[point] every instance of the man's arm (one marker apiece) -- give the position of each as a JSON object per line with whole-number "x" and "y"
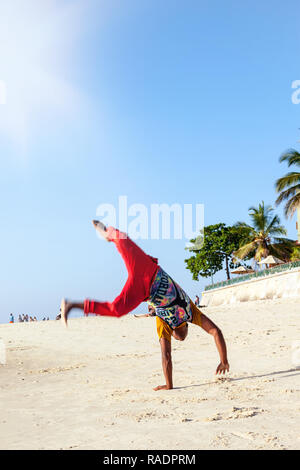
{"x": 213, "y": 330}
{"x": 166, "y": 364}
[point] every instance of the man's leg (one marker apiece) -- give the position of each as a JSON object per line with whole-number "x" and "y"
{"x": 128, "y": 300}
{"x": 141, "y": 271}
{"x": 137, "y": 262}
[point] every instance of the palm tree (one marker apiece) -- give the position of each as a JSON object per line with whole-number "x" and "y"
{"x": 289, "y": 186}
{"x": 265, "y": 236}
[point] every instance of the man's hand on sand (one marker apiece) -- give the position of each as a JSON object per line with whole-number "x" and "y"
{"x": 222, "y": 368}
{"x": 162, "y": 387}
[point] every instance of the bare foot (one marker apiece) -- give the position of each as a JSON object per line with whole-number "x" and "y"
{"x": 100, "y": 227}
{"x": 65, "y": 308}
{"x": 162, "y": 387}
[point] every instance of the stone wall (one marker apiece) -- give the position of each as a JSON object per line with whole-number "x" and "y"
{"x": 273, "y": 286}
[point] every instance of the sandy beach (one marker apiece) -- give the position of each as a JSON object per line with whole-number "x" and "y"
{"x": 91, "y": 386}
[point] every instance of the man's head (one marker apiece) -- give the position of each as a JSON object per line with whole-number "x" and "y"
{"x": 181, "y": 332}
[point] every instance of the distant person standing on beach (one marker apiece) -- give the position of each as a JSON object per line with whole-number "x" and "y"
{"x": 11, "y": 318}
{"x": 197, "y": 301}
{"x": 20, "y": 320}
{"x": 148, "y": 282}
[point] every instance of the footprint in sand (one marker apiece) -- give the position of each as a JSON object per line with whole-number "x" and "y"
{"x": 144, "y": 416}
{"x": 270, "y": 440}
{"x": 236, "y": 413}
{"x": 54, "y": 370}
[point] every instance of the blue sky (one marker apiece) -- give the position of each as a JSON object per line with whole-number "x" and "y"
{"x": 164, "y": 102}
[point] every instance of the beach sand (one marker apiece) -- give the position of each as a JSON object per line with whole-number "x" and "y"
{"x": 90, "y": 386}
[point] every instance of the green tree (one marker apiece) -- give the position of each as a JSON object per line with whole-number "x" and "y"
{"x": 295, "y": 254}
{"x": 219, "y": 242}
{"x": 265, "y": 236}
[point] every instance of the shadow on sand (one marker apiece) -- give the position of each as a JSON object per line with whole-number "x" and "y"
{"x": 248, "y": 377}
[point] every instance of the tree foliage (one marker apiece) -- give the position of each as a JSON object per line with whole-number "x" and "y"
{"x": 288, "y": 186}
{"x": 265, "y": 236}
{"x": 219, "y": 242}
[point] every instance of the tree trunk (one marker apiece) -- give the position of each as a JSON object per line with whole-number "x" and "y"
{"x": 227, "y": 267}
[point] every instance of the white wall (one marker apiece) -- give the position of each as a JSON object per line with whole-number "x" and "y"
{"x": 274, "y": 286}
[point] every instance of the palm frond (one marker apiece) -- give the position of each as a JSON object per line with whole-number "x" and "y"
{"x": 284, "y": 243}
{"x": 250, "y": 233}
{"x": 244, "y": 250}
{"x": 261, "y": 216}
{"x": 291, "y": 156}
{"x": 291, "y": 178}
{"x": 261, "y": 252}
{"x": 287, "y": 194}
{"x": 276, "y": 230}
{"x": 272, "y": 223}
{"x": 292, "y": 205}
{"x": 280, "y": 252}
